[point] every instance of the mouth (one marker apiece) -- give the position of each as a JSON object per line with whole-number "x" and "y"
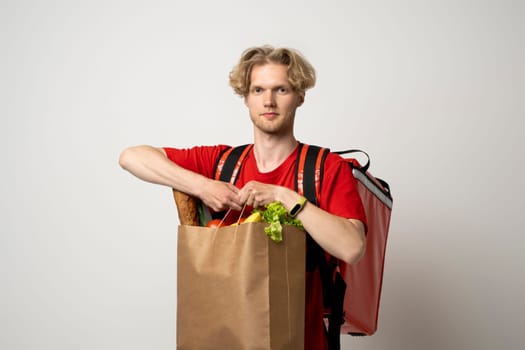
{"x": 270, "y": 114}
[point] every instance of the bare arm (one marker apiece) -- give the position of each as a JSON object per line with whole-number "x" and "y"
{"x": 340, "y": 237}
{"x": 152, "y": 165}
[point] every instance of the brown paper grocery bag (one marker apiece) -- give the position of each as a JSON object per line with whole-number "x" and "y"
{"x": 237, "y": 289}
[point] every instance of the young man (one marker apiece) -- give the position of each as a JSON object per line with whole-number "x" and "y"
{"x": 273, "y": 83}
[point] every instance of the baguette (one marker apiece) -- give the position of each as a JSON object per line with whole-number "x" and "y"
{"x": 186, "y": 208}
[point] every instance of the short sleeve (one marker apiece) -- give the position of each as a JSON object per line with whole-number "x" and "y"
{"x": 339, "y": 194}
{"x": 199, "y": 159}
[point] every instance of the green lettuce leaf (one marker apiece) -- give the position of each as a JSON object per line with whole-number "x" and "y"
{"x": 276, "y": 215}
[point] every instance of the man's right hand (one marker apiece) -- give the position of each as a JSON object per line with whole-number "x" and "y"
{"x": 219, "y": 196}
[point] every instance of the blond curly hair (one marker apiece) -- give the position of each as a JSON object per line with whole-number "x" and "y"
{"x": 301, "y": 73}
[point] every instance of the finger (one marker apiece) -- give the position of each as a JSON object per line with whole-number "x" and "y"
{"x": 233, "y": 188}
{"x": 245, "y": 196}
{"x": 236, "y": 204}
{"x": 254, "y": 198}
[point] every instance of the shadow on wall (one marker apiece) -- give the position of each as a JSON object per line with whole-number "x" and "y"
{"x": 425, "y": 303}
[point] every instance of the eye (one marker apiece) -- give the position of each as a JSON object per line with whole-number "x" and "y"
{"x": 282, "y": 90}
{"x": 256, "y": 90}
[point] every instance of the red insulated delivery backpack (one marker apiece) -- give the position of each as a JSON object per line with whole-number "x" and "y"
{"x": 351, "y": 293}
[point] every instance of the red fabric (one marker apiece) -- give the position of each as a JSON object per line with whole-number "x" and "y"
{"x": 339, "y": 196}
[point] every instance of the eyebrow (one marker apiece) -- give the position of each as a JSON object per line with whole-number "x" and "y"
{"x": 282, "y": 86}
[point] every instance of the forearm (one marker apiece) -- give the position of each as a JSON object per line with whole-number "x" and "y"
{"x": 342, "y": 238}
{"x": 151, "y": 164}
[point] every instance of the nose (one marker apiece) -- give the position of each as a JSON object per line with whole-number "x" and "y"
{"x": 269, "y": 99}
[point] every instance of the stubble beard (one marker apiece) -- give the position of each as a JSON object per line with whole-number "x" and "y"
{"x": 278, "y": 126}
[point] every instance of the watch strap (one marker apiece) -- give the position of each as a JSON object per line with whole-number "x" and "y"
{"x": 298, "y": 206}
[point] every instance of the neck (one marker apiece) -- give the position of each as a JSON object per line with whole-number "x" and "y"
{"x": 270, "y": 151}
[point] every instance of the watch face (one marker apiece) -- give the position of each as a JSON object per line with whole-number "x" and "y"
{"x": 295, "y": 209}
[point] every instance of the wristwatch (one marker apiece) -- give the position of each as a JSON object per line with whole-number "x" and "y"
{"x": 298, "y": 207}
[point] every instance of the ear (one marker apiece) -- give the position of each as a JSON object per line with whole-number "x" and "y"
{"x": 300, "y": 99}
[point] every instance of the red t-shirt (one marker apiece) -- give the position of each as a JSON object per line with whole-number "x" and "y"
{"x": 338, "y": 196}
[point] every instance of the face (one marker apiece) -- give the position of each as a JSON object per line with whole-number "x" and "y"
{"x": 271, "y": 99}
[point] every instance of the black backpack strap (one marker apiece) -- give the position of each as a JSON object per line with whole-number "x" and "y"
{"x": 308, "y": 178}
{"x": 229, "y": 163}
{"x": 379, "y": 187}
{"x": 310, "y": 169}
{"x": 227, "y": 166}
{"x": 336, "y": 318}
{"x": 365, "y": 167}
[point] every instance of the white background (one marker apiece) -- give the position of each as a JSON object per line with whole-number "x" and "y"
{"x": 433, "y": 90}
